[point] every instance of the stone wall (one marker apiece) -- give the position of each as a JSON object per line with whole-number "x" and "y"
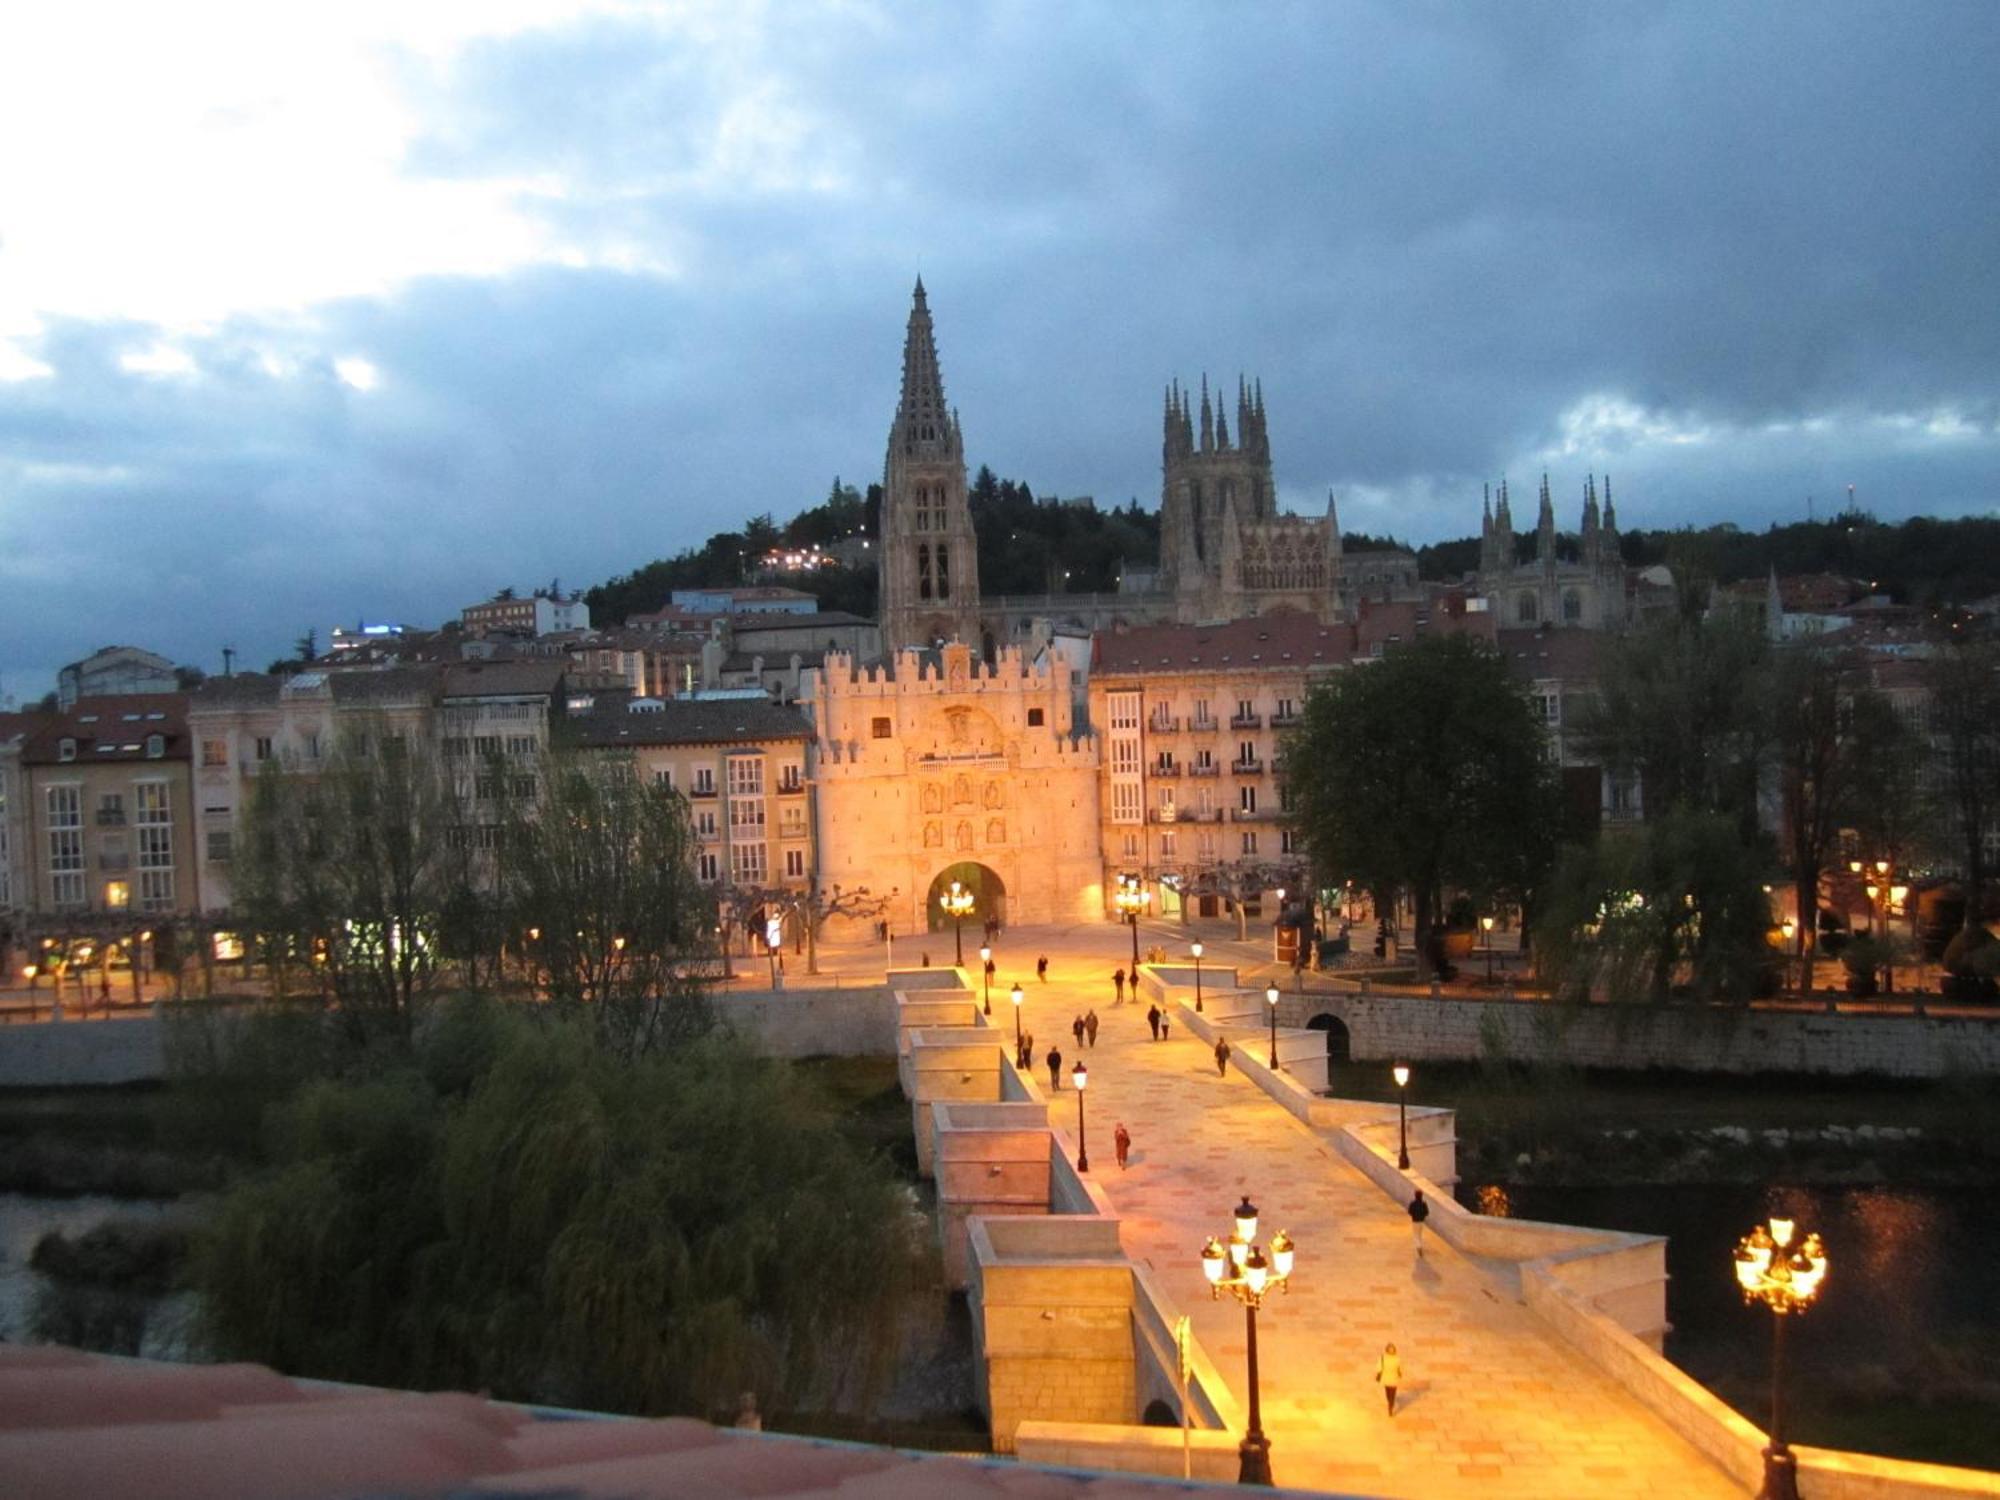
{"x": 812, "y": 1022}
{"x": 69, "y": 1054}
{"x": 1705, "y": 1039}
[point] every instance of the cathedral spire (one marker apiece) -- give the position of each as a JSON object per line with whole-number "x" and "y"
{"x": 922, "y": 417}
{"x": 1610, "y": 515}
{"x": 1207, "y": 418}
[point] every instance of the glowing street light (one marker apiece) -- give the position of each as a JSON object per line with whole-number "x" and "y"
{"x": 1271, "y": 1004}
{"x": 1130, "y": 901}
{"x": 1769, "y": 1270}
{"x": 986, "y": 964}
{"x": 1018, "y": 997}
{"x": 1242, "y": 1269}
{"x": 1486, "y": 937}
{"x": 956, "y": 903}
{"x": 1197, "y": 976}
{"x": 1401, "y": 1073}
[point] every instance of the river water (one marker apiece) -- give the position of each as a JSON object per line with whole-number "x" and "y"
{"x": 24, "y": 1219}
{"x": 1900, "y": 1355}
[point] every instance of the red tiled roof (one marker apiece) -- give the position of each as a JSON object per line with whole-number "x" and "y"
{"x": 1284, "y": 638}
{"x": 85, "y": 1427}
{"x": 111, "y": 729}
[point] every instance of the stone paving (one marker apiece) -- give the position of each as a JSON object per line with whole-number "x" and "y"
{"x": 1492, "y": 1404}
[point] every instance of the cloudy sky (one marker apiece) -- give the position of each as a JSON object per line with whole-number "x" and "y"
{"x": 311, "y": 313}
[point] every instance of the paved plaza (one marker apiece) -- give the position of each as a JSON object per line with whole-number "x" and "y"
{"x": 1493, "y": 1405}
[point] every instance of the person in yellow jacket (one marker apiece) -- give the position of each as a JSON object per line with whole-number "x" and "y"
{"x": 1389, "y": 1371}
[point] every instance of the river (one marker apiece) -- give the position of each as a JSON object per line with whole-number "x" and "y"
{"x": 1901, "y": 1353}
{"x": 25, "y": 1218}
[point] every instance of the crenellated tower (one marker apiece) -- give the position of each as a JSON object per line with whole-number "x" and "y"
{"x": 928, "y": 560}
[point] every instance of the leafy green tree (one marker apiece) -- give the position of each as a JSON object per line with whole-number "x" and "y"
{"x": 1964, "y": 682}
{"x": 520, "y": 1210}
{"x": 1425, "y": 770}
{"x": 1672, "y": 904}
{"x": 598, "y": 866}
{"x": 344, "y": 872}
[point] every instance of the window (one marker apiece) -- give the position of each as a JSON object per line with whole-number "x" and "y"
{"x": 1123, "y": 710}
{"x": 1204, "y": 848}
{"x": 923, "y": 570}
{"x": 1204, "y": 760}
{"x": 746, "y": 776}
{"x": 1249, "y": 843}
{"x": 1034, "y": 718}
{"x": 1246, "y": 752}
{"x": 1166, "y": 796}
{"x": 704, "y": 781}
{"x": 1129, "y": 846}
{"x": 154, "y": 814}
{"x": 707, "y": 867}
{"x": 1288, "y": 841}
{"x": 746, "y": 815}
{"x": 1164, "y": 763}
{"x": 704, "y": 823}
{"x": 664, "y": 777}
{"x": 1124, "y": 757}
{"x": 1245, "y": 708}
{"x": 66, "y": 749}
{"x": 789, "y": 780}
{"x": 117, "y": 895}
{"x": 1572, "y": 606}
{"x": 110, "y": 810}
{"x": 1202, "y": 713}
{"x": 1551, "y": 706}
{"x": 878, "y": 728}
{"x": 1527, "y": 609}
{"x": 746, "y": 864}
{"x": 484, "y": 745}
{"x": 1167, "y": 846}
{"x": 262, "y": 750}
{"x": 65, "y": 808}
{"x": 943, "y": 571}
{"x": 1246, "y": 799}
{"x": 221, "y": 846}
{"x": 1124, "y": 802}
{"x": 215, "y": 752}
{"x": 795, "y": 864}
{"x": 1286, "y": 710}
{"x": 311, "y": 739}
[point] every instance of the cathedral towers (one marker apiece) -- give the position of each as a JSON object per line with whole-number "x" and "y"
{"x": 928, "y": 563}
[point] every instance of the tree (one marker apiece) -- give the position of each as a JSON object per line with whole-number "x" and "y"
{"x": 1426, "y": 769}
{"x": 1243, "y": 880}
{"x": 1964, "y": 682}
{"x": 1673, "y": 903}
{"x": 516, "y": 1208}
{"x": 597, "y": 875}
{"x": 1816, "y": 753}
{"x": 345, "y": 870}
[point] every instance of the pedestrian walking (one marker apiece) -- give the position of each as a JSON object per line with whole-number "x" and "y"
{"x": 1090, "y": 1026}
{"x": 1222, "y": 1057}
{"x": 1122, "y": 1139}
{"x": 1153, "y": 1020}
{"x": 1166, "y": 1025}
{"x": 1389, "y": 1371}
{"x": 1118, "y": 982}
{"x": 1042, "y": 968}
{"x": 1419, "y": 1211}
{"x": 1054, "y": 1061}
{"x": 1076, "y": 1030}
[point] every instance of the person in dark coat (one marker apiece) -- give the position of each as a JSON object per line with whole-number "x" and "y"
{"x": 1153, "y": 1020}
{"x": 1222, "y": 1057}
{"x": 1118, "y": 983}
{"x": 1054, "y": 1060}
{"x": 1042, "y": 968}
{"x": 1419, "y": 1211}
{"x": 1122, "y": 1139}
{"x": 1076, "y": 1030}
{"x": 1090, "y": 1025}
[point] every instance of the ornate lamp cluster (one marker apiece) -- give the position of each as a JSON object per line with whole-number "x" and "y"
{"x": 957, "y": 903}
{"x": 1785, "y": 1278}
{"x": 1131, "y": 900}
{"x": 1247, "y": 1272}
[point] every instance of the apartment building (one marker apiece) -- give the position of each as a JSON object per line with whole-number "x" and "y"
{"x": 740, "y": 763}
{"x": 1192, "y": 720}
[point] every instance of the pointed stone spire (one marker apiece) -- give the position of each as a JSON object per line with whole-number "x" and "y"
{"x": 1590, "y": 506}
{"x": 1610, "y": 515}
{"x": 1545, "y": 529}
{"x": 1207, "y": 419}
{"x": 922, "y": 417}
{"x": 1221, "y": 429}
{"x": 1503, "y": 516}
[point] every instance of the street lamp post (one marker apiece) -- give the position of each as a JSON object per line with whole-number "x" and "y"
{"x": 1401, "y": 1073}
{"x": 1130, "y": 901}
{"x": 1018, "y": 997}
{"x": 1242, "y": 1269}
{"x": 1784, "y": 1279}
{"x": 1197, "y": 976}
{"x": 1271, "y": 1004}
{"x": 986, "y": 963}
{"x": 1486, "y": 937}
{"x": 957, "y": 902}
{"x": 773, "y": 940}
{"x": 1080, "y": 1076}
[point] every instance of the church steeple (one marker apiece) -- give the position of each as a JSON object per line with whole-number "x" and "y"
{"x": 927, "y": 560}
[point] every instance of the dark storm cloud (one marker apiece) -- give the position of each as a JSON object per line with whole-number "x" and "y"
{"x": 1738, "y": 255}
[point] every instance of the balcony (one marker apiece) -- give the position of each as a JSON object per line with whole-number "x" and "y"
{"x": 791, "y": 789}
{"x": 1246, "y": 721}
{"x": 1246, "y": 768}
{"x": 1251, "y": 814}
{"x": 1211, "y": 769}
{"x": 1163, "y": 724}
{"x": 792, "y": 828}
{"x": 1163, "y": 815}
{"x": 701, "y": 791}
{"x": 1167, "y": 768}
{"x": 1204, "y": 726}
{"x": 1285, "y": 721}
